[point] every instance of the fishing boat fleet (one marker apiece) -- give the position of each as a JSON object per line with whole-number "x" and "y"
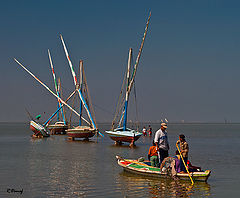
{"x": 87, "y": 128}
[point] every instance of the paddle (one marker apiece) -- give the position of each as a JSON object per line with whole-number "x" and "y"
{"x": 185, "y": 164}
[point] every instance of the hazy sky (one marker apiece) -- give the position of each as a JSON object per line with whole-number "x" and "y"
{"x": 189, "y": 69}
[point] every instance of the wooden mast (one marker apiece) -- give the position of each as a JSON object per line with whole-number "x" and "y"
{"x": 76, "y": 84}
{"x": 80, "y": 87}
{"x": 56, "y": 86}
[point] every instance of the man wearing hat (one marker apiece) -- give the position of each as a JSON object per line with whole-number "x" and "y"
{"x": 161, "y": 141}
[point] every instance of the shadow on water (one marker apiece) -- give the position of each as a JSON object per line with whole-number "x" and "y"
{"x": 124, "y": 146}
{"x": 82, "y": 141}
{"x": 161, "y": 187}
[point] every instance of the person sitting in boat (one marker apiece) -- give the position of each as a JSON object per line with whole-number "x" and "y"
{"x": 177, "y": 161}
{"x": 168, "y": 166}
{"x": 144, "y": 131}
{"x": 153, "y": 155}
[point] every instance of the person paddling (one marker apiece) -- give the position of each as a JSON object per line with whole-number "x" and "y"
{"x": 161, "y": 141}
{"x": 184, "y": 149}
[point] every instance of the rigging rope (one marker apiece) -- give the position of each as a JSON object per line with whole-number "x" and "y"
{"x": 135, "y": 98}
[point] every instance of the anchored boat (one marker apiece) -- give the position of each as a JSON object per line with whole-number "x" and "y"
{"x": 38, "y": 130}
{"x": 36, "y": 127}
{"x": 58, "y": 127}
{"x": 82, "y": 131}
{"x": 143, "y": 168}
{"x": 121, "y": 133}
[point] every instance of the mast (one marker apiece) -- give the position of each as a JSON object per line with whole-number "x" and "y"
{"x": 80, "y": 87}
{"x": 56, "y": 86}
{"x": 49, "y": 89}
{"x": 131, "y": 81}
{"x": 127, "y": 93}
{"x": 75, "y": 83}
{"x": 139, "y": 55}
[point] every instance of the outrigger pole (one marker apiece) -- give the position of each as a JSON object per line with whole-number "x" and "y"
{"x": 49, "y": 90}
{"x": 76, "y": 84}
{"x": 56, "y": 86}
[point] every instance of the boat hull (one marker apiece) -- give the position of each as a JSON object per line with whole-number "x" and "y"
{"x": 38, "y": 129}
{"x": 58, "y": 128}
{"x": 81, "y": 132}
{"x": 119, "y": 135}
{"x": 140, "y": 168}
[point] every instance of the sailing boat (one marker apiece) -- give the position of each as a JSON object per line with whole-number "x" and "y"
{"x": 81, "y": 131}
{"x": 39, "y": 129}
{"x": 122, "y": 133}
{"x": 58, "y": 127}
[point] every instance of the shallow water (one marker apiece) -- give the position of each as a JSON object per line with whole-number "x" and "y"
{"x": 56, "y": 167}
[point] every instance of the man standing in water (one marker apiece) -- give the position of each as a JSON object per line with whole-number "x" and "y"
{"x": 161, "y": 141}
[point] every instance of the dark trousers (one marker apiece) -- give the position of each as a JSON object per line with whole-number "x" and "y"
{"x": 162, "y": 154}
{"x": 182, "y": 167}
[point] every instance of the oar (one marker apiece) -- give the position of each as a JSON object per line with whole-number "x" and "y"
{"x": 185, "y": 164}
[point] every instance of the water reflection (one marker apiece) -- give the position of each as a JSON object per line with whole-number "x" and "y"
{"x": 160, "y": 187}
{"x": 59, "y": 168}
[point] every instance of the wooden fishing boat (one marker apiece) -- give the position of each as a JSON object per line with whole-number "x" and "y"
{"x": 35, "y": 126}
{"x": 119, "y": 131}
{"x": 143, "y": 168}
{"x": 58, "y": 128}
{"x": 85, "y": 132}
{"x": 81, "y": 131}
{"x": 38, "y": 129}
{"x": 121, "y": 135}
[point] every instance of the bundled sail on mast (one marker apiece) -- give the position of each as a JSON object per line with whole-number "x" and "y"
{"x": 84, "y": 96}
{"x": 121, "y": 133}
{"x": 60, "y": 126}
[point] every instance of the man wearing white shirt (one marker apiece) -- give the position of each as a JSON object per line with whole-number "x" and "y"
{"x": 161, "y": 141}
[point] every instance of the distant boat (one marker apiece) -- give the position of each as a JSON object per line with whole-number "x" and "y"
{"x": 121, "y": 133}
{"x": 81, "y": 131}
{"x": 38, "y": 130}
{"x": 59, "y": 127}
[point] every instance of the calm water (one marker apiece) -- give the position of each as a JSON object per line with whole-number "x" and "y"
{"x": 55, "y": 167}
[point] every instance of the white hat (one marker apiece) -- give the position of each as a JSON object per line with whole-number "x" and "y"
{"x": 164, "y": 125}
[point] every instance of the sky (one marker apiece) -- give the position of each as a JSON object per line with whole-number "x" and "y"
{"x": 189, "y": 70}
